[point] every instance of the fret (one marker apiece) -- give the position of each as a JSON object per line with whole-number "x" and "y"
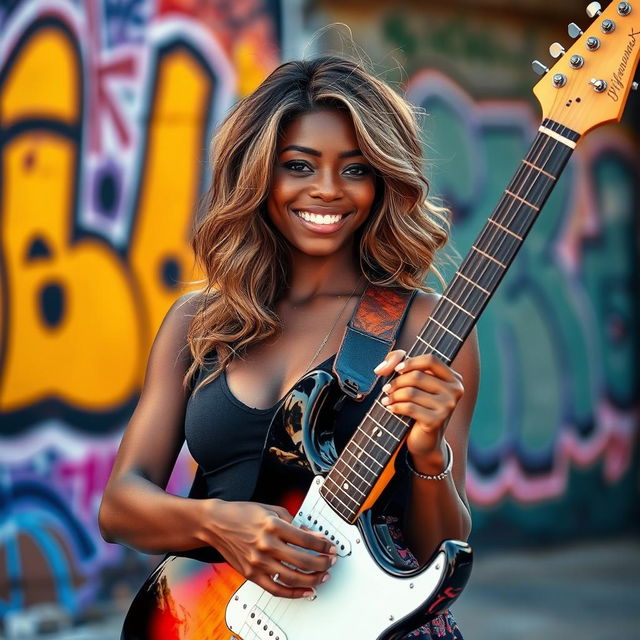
{"x": 398, "y": 418}
{"x": 458, "y": 322}
{"x": 375, "y": 442}
{"x": 366, "y": 453}
{"x": 473, "y": 282}
{"x": 517, "y": 197}
{"x": 346, "y": 464}
{"x": 457, "y": 337}
{"x": 455, "y": 304}
{"x": 542, "y": 171}
{"x": 432, "y": 347}
{"x": 350, "y": 483}
{"x": 339, "y": 490}
{"x": 505, "y": 229}
{"x": 489, "y": 257}
{"x": 350, "y": 511}
{"x": 383, "y": 427}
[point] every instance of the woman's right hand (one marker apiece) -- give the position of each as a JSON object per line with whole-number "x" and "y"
{"x": 256, "y": 540}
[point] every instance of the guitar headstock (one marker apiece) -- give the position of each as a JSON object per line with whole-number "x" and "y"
{"x": 590, "y": 83}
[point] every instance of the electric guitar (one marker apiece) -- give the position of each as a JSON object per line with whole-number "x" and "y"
{"x": 371, "y": 595}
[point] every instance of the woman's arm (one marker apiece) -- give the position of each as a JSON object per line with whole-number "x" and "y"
{"x": 257, "y": 540}
{"x": 441, "y": 399}
{"x": 135, "y": 509}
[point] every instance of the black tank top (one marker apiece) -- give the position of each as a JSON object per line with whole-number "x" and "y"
{"x": 226, "y": 437}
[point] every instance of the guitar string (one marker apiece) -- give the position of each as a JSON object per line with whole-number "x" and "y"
{"x": 515, "y": 207}
{"x": 489, "y": 234}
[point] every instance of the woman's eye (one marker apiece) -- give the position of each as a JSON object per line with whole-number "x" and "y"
{"x": 358, "y": 170}
{"x": 297, "y": 166}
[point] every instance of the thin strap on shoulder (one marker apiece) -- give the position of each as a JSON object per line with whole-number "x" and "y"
{"x": 369, "y": 336}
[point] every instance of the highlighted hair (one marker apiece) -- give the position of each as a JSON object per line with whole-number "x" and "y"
{"x": 245, "y": 259}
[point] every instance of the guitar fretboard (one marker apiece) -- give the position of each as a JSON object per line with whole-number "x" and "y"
{"x": 379, "y": 435}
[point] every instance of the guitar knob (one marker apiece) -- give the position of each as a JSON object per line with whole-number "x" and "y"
{"x": 594, "y": 9}
{"x": 608, "y": 26}
{"x": 598, "y": 85}
{"x": 593, "y": 43}
{"x": 624, "y": 8}
{"x": 556, "y": 50}
{"x": 574, "y": 30}
{"x": 634, "y": 86}
{"x": 539, "y": 68}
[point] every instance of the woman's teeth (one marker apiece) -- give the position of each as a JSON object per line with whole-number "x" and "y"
{"x": 318, "y": 219}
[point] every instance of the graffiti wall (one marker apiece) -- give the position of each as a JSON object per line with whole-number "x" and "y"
{"x": 106, "y": 109}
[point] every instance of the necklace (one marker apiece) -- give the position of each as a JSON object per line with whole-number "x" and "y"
{"x": 333, "y": 326}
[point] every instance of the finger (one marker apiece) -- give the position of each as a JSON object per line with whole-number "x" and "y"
{"x": 429, "y": 417}
{"x": 281, "y": 590}
{"x": 418, "y": 379}
{"x": 305, "y": 539}
{"x": 303, "y": 560}
{"x": 428, "y": 362}
{"x": 387, "y": 365}
{"x": 297, "y": 579}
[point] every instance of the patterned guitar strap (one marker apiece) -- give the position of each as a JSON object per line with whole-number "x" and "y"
{"x": 369, "y": 336}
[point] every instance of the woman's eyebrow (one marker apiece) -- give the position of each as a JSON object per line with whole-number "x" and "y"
{"x": 314, "y": 152}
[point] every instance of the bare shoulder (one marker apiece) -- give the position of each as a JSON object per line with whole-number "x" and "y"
{"x": 421, "y": 307}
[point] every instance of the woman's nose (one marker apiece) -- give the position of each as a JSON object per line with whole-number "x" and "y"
{"x": 327, "y": 186}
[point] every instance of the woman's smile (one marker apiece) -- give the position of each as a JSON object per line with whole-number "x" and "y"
{"x": 320, "y": 219}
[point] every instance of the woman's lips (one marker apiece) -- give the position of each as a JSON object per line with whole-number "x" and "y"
{"x": 321, "y": 220}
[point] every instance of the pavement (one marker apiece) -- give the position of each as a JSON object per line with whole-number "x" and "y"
{"x": 585, "y": 591}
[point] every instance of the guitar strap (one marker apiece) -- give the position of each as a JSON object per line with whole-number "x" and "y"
{"x": 369, "y": 336}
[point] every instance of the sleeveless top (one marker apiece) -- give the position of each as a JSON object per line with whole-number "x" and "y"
{"x": 225, "y": 436}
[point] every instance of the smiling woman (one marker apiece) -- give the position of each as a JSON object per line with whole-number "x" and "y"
{"x": 317, "y": 195}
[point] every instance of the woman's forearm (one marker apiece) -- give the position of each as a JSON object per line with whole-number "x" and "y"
{"x": 139, "y": 514}
{"x": 436, "y": 511}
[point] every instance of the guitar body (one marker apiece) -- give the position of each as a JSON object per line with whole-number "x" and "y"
{"x": 371, "y": 593}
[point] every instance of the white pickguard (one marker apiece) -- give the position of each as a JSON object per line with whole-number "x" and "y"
{"x": 359, "y": 601}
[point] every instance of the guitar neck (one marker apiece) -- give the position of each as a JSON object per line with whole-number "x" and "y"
{"x": 369, "y": 451}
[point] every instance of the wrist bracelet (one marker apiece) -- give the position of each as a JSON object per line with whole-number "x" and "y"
{"x": 440, "y": 476}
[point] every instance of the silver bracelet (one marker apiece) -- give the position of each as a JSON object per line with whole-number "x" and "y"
{"x": 440, "y": 476}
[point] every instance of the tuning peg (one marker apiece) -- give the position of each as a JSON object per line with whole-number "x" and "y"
{"x": 574, "y": 30}
{"x": 556, "y": 50}
{"x": 594, "y": 9}
{"x": 539, "y": 68}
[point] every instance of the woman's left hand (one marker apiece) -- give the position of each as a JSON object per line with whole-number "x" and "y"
{"x": 426, "y": 390}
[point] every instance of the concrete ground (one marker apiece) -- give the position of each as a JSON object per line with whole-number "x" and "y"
{"x": 587, "y": 591}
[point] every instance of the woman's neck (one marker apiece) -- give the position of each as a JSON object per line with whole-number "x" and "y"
{"x": 313, "y": 276}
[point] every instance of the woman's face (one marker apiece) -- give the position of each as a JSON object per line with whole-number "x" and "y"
{"x": 323, "y": 187}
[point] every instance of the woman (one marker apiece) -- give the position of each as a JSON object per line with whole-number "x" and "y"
{"x": 317, "y": 188}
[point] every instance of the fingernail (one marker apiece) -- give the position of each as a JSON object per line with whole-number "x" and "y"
{"x": 325, "y": 577}
{"x": 386, "y": 387}
{"x": 310, "y": 594}
{"x": 400, "y": 366}
{"x": 382, "y": 365}
{"x": 333, "y": 560}
{"x": 384, "y": 400}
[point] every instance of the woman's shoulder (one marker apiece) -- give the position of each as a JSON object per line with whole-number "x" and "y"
{"x": 421, "y": 306}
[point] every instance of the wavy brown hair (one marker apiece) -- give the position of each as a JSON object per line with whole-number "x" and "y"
{"x": 246, "y": 260}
